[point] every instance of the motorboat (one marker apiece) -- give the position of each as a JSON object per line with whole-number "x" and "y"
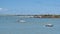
{"x": 22, "y": 21}
{"x": 49, "y": 25}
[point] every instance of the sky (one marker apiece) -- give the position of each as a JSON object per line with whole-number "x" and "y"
{"x": 29, "y": 7}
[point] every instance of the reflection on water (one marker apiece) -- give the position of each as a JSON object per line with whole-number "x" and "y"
{"x": 10, "y": 25}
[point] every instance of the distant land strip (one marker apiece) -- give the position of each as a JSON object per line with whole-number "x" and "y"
{"x": 36, "y": 16}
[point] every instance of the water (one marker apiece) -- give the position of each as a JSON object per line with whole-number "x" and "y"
{"x": 11, "y": 25}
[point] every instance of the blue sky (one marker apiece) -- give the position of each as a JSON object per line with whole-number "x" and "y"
{"x": 29, "y": 6}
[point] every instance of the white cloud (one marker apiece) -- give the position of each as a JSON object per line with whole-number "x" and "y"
{"x": 3, "y": 9}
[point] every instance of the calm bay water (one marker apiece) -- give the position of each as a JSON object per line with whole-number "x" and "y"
{"x": 12, "y": 25}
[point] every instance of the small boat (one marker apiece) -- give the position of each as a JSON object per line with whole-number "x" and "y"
{"x": 49, "y": 25}
{"x": 21, "y": 21}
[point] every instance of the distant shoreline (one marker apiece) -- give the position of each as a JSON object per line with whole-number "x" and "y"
{"x": 36, "y": 16}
